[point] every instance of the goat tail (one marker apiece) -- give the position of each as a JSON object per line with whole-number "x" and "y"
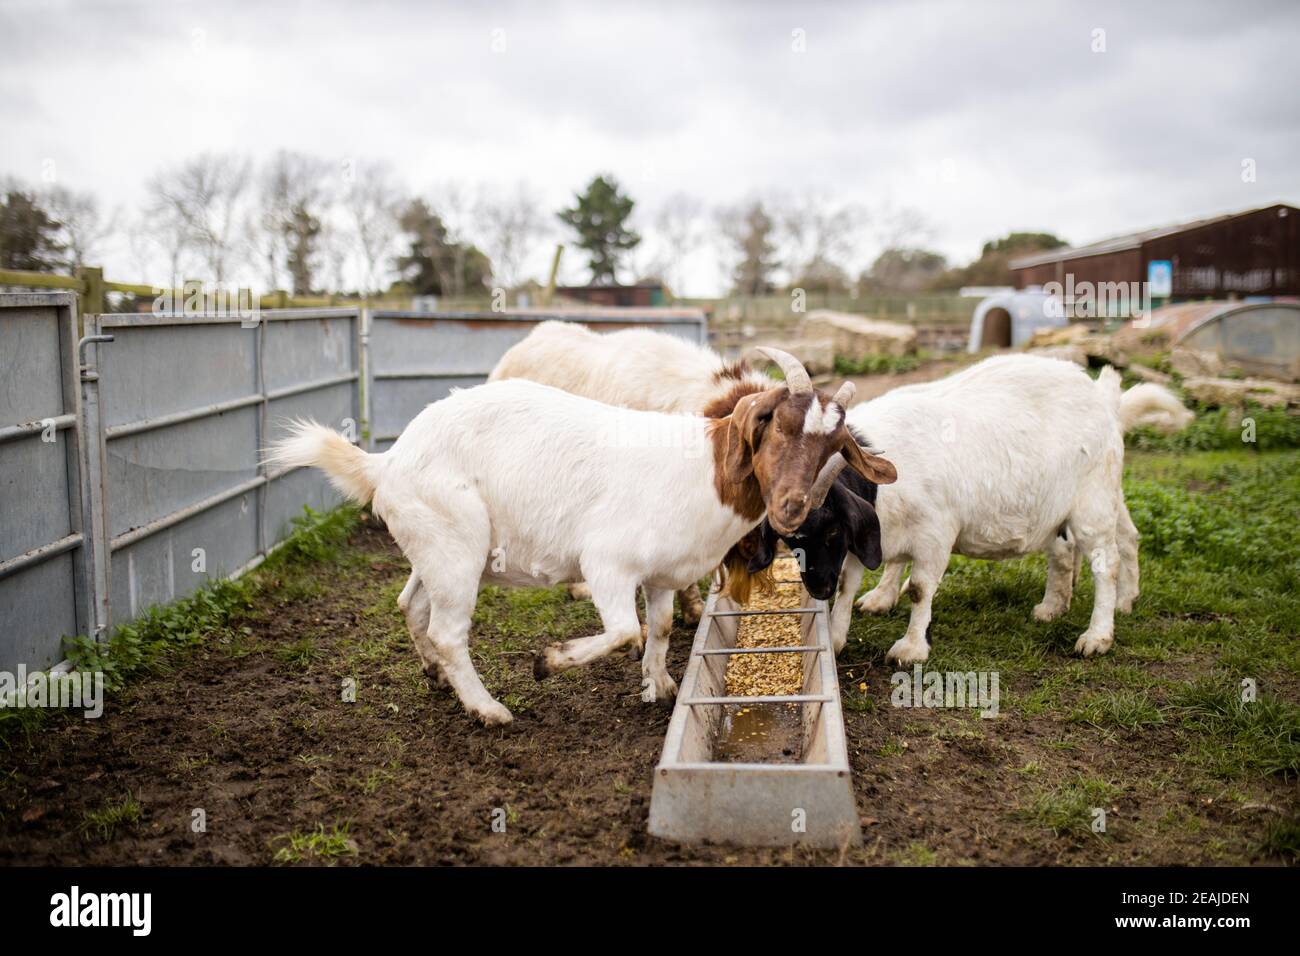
{"x": 312, "y": 445}
{"x": 1154, "y": 406}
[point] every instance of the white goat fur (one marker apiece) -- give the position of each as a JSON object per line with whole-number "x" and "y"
{"x": 523, "y": 484}
{"x": 994, "y": 462}
{"x": 636, "y": 368}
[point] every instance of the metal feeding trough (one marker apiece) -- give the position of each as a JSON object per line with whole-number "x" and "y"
{"x": 722, "y": 780}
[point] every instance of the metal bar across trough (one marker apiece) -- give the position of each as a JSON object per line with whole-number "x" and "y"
{"x": 700, "y": 798}
{"x": 789, "y": 610}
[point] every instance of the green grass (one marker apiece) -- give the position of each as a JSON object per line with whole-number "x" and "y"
{"x": 1223, "y": 429}
{"x": 300, "y": 653}
{"x": 318, "y": 845}
{"x": 1283, "y": 838}
{"x": 105, "y": 821}
{"x": 1070, "y": 807}
{"x": 1237, "y": 736}
{"x": 1123, "y": 709}
{"x": 878, "y": 364}
{"x": 526, "y": 614}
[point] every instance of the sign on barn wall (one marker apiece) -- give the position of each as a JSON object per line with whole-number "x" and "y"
{"x": 1160, "y": 278}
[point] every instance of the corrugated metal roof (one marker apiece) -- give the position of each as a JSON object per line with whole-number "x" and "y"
{"x": 1132, "y": 240}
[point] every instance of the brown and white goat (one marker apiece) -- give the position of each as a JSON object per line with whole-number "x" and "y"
{"x": 636, "y": 368}
{"x": 522, "y": 484}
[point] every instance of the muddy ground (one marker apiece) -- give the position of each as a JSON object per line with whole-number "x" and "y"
{"x": 251, "y": 730}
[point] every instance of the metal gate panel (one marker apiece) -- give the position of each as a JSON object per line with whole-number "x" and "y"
{"x": 414, "y": 358}
{"x": 155, "y": 369}
{"x": 311, "y": 366}
{"x": 45, "y": 591}
{"x": 158, "y": 472}
{"x": 189, "y": 404}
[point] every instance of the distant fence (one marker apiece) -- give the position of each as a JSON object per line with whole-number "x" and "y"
{"x": 778, "y": 310}
{"x": 131, "y": 475}
{"x": 941, "y": 321}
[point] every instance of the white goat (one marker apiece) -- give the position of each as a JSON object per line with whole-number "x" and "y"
{"x": 523, "y": 484}
{"x": 635, "y": 368}
{"x": 1017, "y": 454}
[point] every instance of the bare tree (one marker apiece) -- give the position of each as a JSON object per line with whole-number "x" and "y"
{"x": 372, "y": 200}
{"x": 296, "y": 193}
{"x": 511, "y": 223}
{"x": 679, "y": 225}
{"x": 818, "y": 236}
{"x": 455, "y": 207}
{"x": 167, "y": 227}
{"x": 202, "y": 199}
{"x": 901, "y": 227}
{"x": 746, "y": 232}
{"x": 83, "y": 226}
{"x": 140, "y": 245}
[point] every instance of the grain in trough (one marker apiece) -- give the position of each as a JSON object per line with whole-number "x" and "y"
{"x": 755, "y": 753}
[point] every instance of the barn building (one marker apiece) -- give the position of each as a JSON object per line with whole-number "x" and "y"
{"x": 1245, "y": 254}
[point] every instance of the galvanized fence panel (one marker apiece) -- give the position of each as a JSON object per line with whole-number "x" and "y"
{"x": 45, "y": 586}
{"x": 414, "y": 358}
{"x": 188, "y": 402}
{"x": 152, "y": 483}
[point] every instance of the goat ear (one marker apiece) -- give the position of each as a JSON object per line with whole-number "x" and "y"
{"x": 743, "y": 431}
{"x": 765, "y": 549}
{"x": 869, "y": 466}
{"x": 864, "y": 530}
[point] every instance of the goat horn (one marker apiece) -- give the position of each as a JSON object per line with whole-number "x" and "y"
{"x": 825, "y": 478}
{"x": 796, "y": 376}
{"x": 844, "y": 396}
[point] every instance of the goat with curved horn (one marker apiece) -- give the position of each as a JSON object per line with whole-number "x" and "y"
{"x": 796, "y": 376}
{"x": 825, "y": 478}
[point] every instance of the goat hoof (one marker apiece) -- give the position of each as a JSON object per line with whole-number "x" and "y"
{"x": 906, "y": 652}
{"x": 494, "y": 715}
{"x": 1045, "y": 612}
{"x": 656, "y": 691}
{"x": 636, "y": 645}
{"x": 1089, "y": 643}
{"x": 873, "y": 603}
{"x": 541, "y": 667}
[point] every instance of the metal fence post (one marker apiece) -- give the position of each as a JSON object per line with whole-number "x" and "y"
{"x": 95, "y": 517}
{"x": 365, "y": 381}
{"x": 263, "y": 409}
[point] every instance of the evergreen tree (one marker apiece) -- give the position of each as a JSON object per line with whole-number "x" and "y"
{"x": 599, "y": 217}
{"x": 434, "y": 265}
{"x": 28, "y": 234}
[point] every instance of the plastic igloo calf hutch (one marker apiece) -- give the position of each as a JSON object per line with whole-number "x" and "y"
{"x": 1010, "y": 318}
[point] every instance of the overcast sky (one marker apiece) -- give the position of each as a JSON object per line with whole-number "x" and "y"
{"x": 985, "y": 117}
